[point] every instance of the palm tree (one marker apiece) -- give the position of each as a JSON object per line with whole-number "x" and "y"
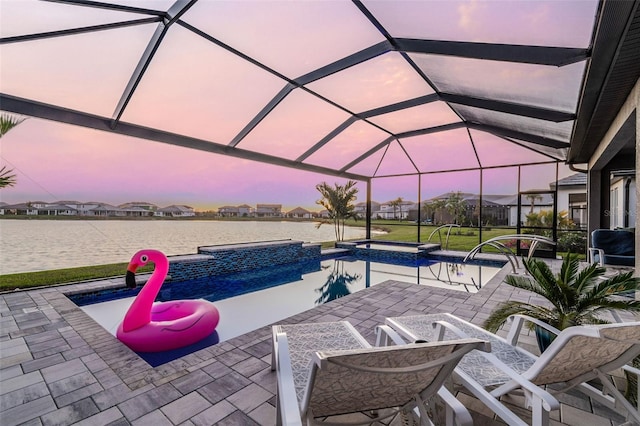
{"x": 338, "y": 200}
{"x": 438, "y": 206}
{"x": 337, "y": 284}
{"x": 456, "y": 205}
{"x": 577, "y": 296}
{"x": 7, "y": 122}
{"x": 395, "y": 204}
{"x": 533, "y": 198}
{"x": 7, "y": 177}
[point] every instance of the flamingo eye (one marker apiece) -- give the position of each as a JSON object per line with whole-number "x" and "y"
{"x": 144, "y": 258}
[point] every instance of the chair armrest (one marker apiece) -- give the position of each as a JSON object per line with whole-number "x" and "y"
{"x": 517, "y": 321}
{"x": 442, "y": 326}
{"x": 385, "y": 335}
{"x": 540, "y": 401}
{"x": 288, "y": 411}
{"x": 632, "y": 370}
{"x": 592, "y": 252}
{"x": 636, "y": 372}
{"x": 461, "y": 415}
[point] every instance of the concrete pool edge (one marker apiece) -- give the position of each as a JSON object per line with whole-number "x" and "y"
{"x": 136, "y": 373}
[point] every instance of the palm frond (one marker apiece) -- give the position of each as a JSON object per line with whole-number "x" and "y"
{"x": 587, "y": 276}
{"x": 8, "y": 122}
{"x": 7, "y": 177}
{"x": 502, "y": 313}
{"x": 523, "y": 283}
{"x": 540, "y": 272}
{"x": 614, "y": 285}
{"x": 569, "y": 269}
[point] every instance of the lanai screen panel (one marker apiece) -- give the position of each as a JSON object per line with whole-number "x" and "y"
{"x": 34, "y": 16}
{"x": 442, "y": 151}
{"x": 78, "y": 71}
{"x": 441, "y": 185}
{"x": 395, "y": 161}
{"x": 292, "y": 38}
{"x": 294, "y": 126}
{"x": 384, "y": 80}
{"x": 498, "y": 151}
{"x": 341, "y": 150}
{"x": 419, "y": 117}
{"x": 209, "y": 101}
{"x": 544, "y": 86}
{"x": 547, "y": 129}
{"x": 348, "y": 86}
{"x": 543, "y": 23}
{"x": 405, "y": 187}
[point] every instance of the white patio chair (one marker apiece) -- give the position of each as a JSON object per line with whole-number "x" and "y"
{"x": 328, "y": 370}
{"x": 577, "y": 355}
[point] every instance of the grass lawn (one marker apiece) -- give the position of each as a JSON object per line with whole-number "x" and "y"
{"x": 463, "y": 239}
{"x": 60, "y": 276}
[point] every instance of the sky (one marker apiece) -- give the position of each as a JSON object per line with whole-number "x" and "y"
{"x": 198, "y": 89}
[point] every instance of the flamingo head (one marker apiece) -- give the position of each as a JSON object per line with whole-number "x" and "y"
{"x": 139, "y": 259}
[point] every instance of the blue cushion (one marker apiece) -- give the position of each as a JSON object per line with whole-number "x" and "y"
{"x": 618, "y": 246}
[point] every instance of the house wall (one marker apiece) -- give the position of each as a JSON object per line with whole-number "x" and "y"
{"x": 598, "y": 200}
{"x": 578, "y": 216}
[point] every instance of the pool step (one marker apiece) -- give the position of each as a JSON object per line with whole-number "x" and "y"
{"x": 334, "y": 252}
{"x": 429, "y": 247}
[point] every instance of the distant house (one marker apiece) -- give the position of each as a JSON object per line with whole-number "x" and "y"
{"x": 176, "y": 211}
{"x": 20, "y": 209}
{"x": 229, "y": 211}
{"x": 83, "y": 209}
{"x": 136, "y": 211}
{"x": 572, "y": 197}
{"x": 361, "y": 209}
{"x": 106, "y": 210}
{"x": 245, "y": 210}
{"x": 388, "y": 211}
{"x": 300, "y": 213}
{"x": 530, "y": 204}
{"x": 268, "y": 210}
{"x": 39, "y": 204}
{"x": 137, "y": 205}
{"x": 57, "y": 210}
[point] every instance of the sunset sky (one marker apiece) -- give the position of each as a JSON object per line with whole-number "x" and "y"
{"x": 197, "y": 89}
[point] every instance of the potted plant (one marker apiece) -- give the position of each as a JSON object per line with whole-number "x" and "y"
{"x": 577, "y": 296}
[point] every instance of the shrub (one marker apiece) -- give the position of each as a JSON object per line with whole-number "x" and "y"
{"x": 574, "y": 242}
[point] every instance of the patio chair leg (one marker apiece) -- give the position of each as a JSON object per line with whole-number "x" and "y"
{"x": 539, "y": 416}
{"x": 619, "y": 398}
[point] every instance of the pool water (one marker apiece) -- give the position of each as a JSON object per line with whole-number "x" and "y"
{"x": 248, "y": 301}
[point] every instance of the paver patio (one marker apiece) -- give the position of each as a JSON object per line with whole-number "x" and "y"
{"x": 58, "y": 366}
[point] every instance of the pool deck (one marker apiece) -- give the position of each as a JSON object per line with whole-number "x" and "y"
{"x": 59, "y": 367}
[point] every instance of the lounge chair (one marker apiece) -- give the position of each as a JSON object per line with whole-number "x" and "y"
{"x": 577, "y": 355}
{"x": 612, "y": 247}
{"x": 328, "y": 370}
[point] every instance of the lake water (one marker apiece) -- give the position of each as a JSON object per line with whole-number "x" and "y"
{"x": 39, "y": 245}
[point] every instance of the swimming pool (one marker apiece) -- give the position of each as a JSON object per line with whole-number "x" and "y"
{"x": 250, "y": 300}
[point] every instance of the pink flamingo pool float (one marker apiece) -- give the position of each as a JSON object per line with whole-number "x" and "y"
{"x": 162, "y": 326}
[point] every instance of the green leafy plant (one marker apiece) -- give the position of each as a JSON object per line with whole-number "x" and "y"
{"x": 7, "y": 177}
{"x": 577, "y": 296}
{"x": 8, "y": 122}
{"x": 338, "y": 200}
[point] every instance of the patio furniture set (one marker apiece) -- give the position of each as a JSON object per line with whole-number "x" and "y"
{"x": 328, "y": 373}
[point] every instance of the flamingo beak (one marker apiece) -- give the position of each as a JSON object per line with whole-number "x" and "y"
{"x": 130, "y": 278}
